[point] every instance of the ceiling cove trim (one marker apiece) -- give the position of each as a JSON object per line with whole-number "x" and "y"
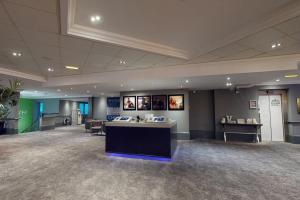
{"x": 268, "y": 64}
{"x": 68, "y": 9}
{"x": 22, "y": 75}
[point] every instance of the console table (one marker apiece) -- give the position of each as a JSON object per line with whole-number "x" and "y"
{"x": 248, "y": 129}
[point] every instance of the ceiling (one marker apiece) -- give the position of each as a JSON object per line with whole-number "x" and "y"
{"x": 150, "y": 36}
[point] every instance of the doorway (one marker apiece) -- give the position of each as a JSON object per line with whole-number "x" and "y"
{"x": 270, "y": 110}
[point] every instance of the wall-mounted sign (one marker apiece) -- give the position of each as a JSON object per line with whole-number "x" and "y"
{"x": 253, "y": 104}
{"x": 129, "y": 103}
{"x": 176, "y": 102}
{"x": 144, "y": 102}
{"x": 159, "y": 102}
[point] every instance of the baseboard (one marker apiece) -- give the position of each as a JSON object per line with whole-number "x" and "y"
{"x": 295, "y": 139}
{"x": 200, "y": 134}
{"x": 45, "y": 128}
{"x": 183, "y": 136}
{"x": 9, "y": 131}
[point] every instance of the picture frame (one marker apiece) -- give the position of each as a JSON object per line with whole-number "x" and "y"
{"x": 129, "y": 102}
{"x": 144, "y": 102}
{"x": 159, "y": 102}
{"x": 298, "y": 104}
{"x": 176, "y": 102}
{"x": 253, "y": 104}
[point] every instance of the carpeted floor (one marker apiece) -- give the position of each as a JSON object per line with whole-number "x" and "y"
{"x": 69, "y": 164}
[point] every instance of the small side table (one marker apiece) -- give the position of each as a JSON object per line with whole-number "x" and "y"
{"x": 246, "y": 129}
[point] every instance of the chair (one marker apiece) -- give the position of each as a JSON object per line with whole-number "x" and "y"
{"x": 88, "y": 125}
{"x": 97, "y": 126}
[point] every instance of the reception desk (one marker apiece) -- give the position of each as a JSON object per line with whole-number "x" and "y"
{"x": 139, "y": 138}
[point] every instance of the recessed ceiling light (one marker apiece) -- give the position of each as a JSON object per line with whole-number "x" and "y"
{"x": 58, "y": 90}
{"x": 228, "y": 84}
{"x": 50, "y": 69}
{"x": 291, "y": 75}
{"x": 16, "y": 54}
{"x": 72, "y": 67}
{"x": 95, "y": 18}
{"x": 277, "y": 80}
{"x": 87, "y": 91}
{"x": 122, "y": 62}
{"x": 228, "y": 78}
{"x": 187, "y": 81}
{"x": 71, "y": 88}
{"x": 274, "y": 45}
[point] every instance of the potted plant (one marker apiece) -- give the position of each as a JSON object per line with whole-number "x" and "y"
{"x": 8, "y": 98}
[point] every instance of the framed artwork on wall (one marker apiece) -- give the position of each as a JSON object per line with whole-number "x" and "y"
{"x": 129, "y": 103}
{"x": 176, "y": 102}
{"x": 298, "y": 104}
{"x": 253, "y": 104}
{"x": 144, "y": 102}
{"x": 159, "y": 102}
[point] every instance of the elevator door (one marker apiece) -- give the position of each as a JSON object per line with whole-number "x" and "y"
{"x": 271, "y": 117}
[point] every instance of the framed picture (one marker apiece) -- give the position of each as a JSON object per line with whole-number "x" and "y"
{"x": 159, "y": 102}
{"x": 298, "y": 104}
{"x": 144, "y": 102}
{"x": 176, "y": 102}
{"x": 253, "y": 104}
{"x": 129, "y": 103}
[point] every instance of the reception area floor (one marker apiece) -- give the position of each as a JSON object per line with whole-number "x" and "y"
{"x": 68, "y": 163}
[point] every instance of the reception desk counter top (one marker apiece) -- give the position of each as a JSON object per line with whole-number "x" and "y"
{"x": 168, "y": 124}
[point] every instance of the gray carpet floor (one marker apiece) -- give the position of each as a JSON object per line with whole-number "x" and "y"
{"x": 69, "y": 164}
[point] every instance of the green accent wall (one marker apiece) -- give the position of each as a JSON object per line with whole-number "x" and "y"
{"x": 25, "y": 114}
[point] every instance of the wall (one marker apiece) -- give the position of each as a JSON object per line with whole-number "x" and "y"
{"x": 50, "y": 105}
{"x": 66, "y": 107}
{"x": 202, "y": 114}
{"x": 99, "y": 108}
{"x": 25, "y": 115}
{"x": 229, "y": 103}
{"x": 293, "y": 115}
{"x": 182, "y": 117}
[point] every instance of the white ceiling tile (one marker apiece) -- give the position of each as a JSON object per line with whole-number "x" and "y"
{"x": 228, "y": 50}
{"x": 50, "y": 53}
{"x": 38, "y": 37}
{"x": 130, "y": 54}
{"x": 289, "y": 27}
{"x": 203, "y": 59}
{"x": 75, "y": 44}
{"x": 3, "y": 15}
{"x": 8, "y": 31}
{"x": 100, "y": 60}
{"x": 150, "y": 59}
{"x": 4, "y": 61}
{"x": 171, "y": 61}
{"x": 265, "y": 37}
{"x": 249, "y": 53}
{"x": 285, "y": 50}
{"x": 105, "y": 49}
{"x": 44, "y": 5}
{"x": 296, "y": 36}
{"x": 32, "y": 19}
